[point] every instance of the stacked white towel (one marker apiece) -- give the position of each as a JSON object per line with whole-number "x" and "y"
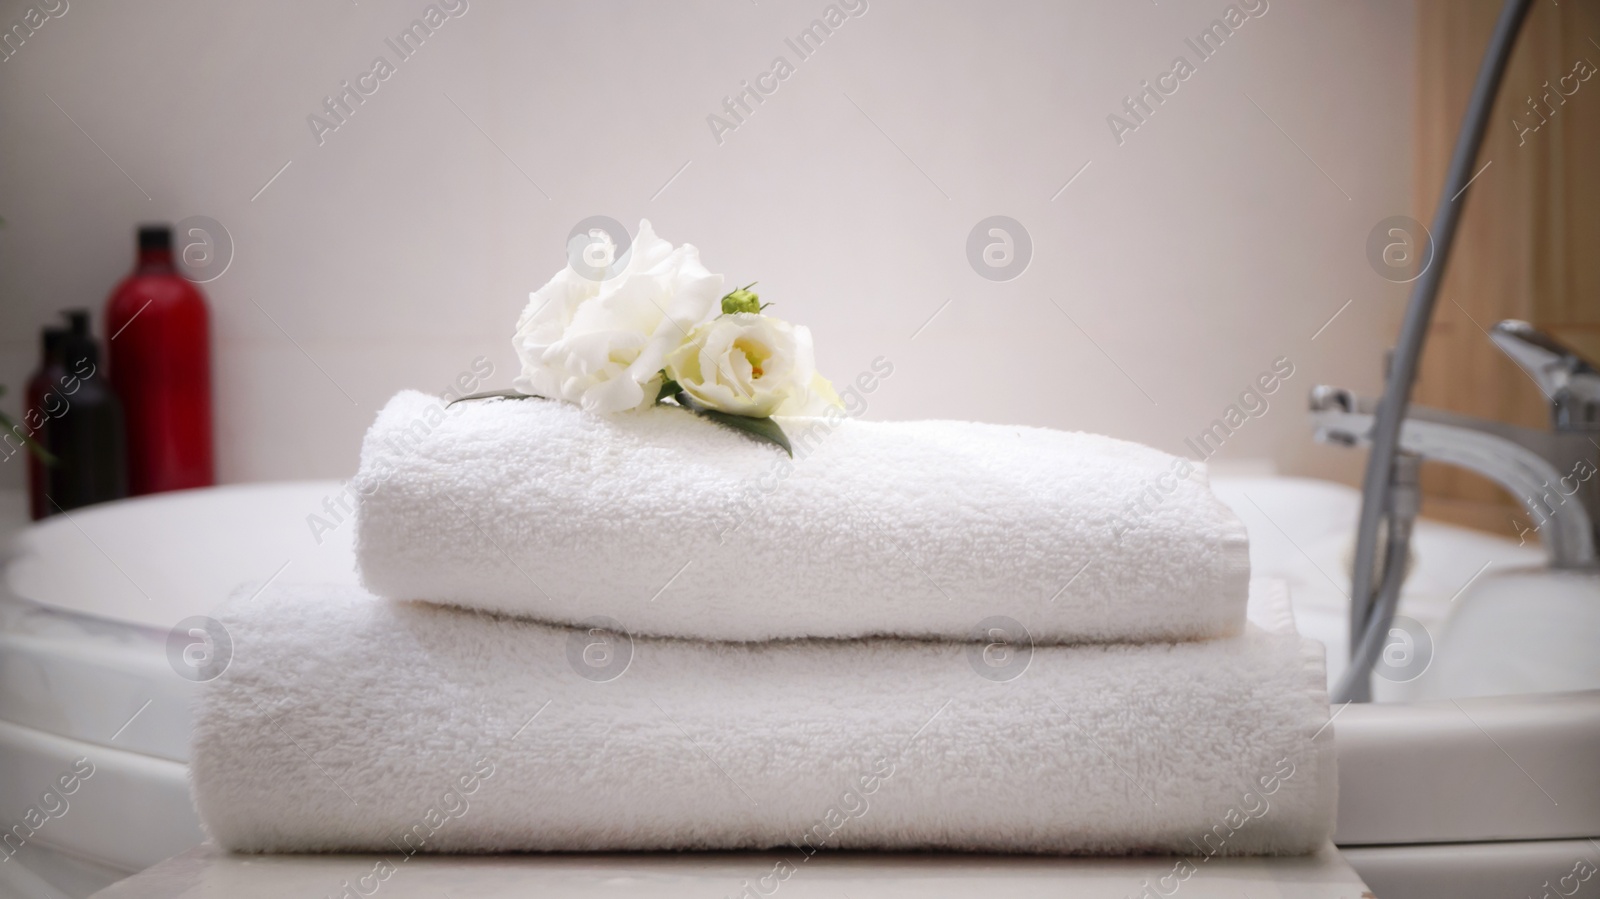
{"x": 349, "y": 723}
{"x": 676, "y": 527}
{"x": 647, "y": 632}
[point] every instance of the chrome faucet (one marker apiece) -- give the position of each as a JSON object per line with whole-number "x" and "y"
{"x": 1555, "y": 474}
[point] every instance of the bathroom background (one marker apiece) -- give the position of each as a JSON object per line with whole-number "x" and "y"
{"x": 1170, "y": 266}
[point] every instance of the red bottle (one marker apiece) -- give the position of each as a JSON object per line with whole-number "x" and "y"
{"x": 160, "y": 361}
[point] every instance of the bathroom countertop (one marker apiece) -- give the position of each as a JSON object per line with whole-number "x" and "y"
{"x": 206, "y": 873}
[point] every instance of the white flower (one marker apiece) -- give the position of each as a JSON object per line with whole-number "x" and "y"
{"x": 603, "y": 344}
{"x": 751, "y": 364}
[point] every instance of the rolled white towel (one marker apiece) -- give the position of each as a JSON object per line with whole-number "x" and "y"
{"x": 675, "y": 526}
{"x": 349, "y": 723}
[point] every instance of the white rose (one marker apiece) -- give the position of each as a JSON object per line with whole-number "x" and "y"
{"x": 603, "y": 344}
{"x": 751, "y": 364}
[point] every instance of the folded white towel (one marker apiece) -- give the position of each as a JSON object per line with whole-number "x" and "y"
{"x": 345, "y": 722}
{"x": 676, "y": 526}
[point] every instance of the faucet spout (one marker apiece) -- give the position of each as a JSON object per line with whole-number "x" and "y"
{"x": 1552, "y": 474}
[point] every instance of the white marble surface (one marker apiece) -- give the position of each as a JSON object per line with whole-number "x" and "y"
{"x": 206, "y": 873}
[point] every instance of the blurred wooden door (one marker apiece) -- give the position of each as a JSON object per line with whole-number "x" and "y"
{"x": 1529, "y": 242}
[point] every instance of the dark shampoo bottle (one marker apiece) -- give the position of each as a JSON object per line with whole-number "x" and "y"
{"x": 87, "y": 438}
{"x": 42, "y": 403}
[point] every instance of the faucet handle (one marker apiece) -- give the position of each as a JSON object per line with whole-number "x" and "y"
{"x": 1570, "y": 381}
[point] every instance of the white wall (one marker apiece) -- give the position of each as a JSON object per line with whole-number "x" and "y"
{"x": 1210, "y": 243}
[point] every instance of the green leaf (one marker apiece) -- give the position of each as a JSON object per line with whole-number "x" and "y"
{"x": 510, "y": 393}
{"x": 669, "y": 387}
{"x": 758, "y": 428}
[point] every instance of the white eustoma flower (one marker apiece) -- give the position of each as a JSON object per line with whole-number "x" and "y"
{"x": 751, "y": 364}
{"x": 603, "y": 344}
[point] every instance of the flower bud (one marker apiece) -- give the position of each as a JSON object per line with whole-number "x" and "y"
{"x": 742, "y": 300}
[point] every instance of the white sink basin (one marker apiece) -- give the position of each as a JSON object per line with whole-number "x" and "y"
{"x": 1303, "y": 532}
{"x": 1519, "y": 630}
